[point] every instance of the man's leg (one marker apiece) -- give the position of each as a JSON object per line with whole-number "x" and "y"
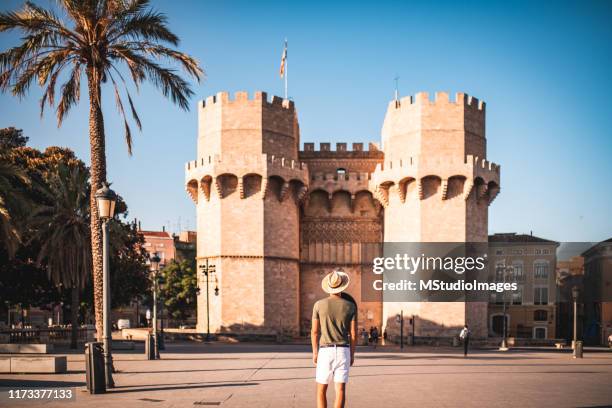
{"x": 465, "y": 347}
{"x": 321, "y": 395}
{"x": 340, "y": 396}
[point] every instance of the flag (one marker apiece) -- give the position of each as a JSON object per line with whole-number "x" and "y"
{"x": 283, "y": 61}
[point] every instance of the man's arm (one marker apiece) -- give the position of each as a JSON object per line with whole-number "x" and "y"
{"x": 314, "y": 339}
{"x": 353, "y": 339}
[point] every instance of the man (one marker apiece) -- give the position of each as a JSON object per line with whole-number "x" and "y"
{"x": 333, "y": 337}
{"x": 375, "y": 337}
{"x": 465, "y": 336}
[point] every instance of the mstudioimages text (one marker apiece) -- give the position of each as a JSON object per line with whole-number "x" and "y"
{"x": 439, "y": 285}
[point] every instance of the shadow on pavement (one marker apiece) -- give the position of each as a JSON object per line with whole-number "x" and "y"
{"x": 162, "y": 387}
{"x": 25, "y": 383}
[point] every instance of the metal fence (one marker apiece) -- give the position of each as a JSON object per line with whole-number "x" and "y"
{"x": 48, "y": 335}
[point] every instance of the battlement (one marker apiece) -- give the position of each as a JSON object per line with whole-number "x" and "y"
{"x": 245, "y": 160}
{"x": 437, "y": 162}
{"x": 342, "y": 150}
{"x": 350, "y": 177}
{"x": 439, "y": 98}
{"x": 340, "y": 147}
{"x": 242, "y": 97}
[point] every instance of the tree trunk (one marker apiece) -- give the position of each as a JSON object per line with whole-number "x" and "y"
{"x": 98, "y": 176}
{"x": 74, "y": 311}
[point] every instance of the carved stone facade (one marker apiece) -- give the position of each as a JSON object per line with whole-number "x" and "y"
{"x": 275, "y": 220}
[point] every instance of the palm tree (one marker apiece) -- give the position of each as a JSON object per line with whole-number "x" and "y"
{"x": 62, "y": 229}
{"x": 11, "y": 200}
{"x": 101, "y": 38}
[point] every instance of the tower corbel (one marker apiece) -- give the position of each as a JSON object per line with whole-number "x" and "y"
{"x": 241, "y": 187}
{"x": 284, "y": 190}
{"x": 468, "y": 189}
{"x": 444, "y": 189}
{"x": 301, "y": 195}
{"x": 264, "y": 188}
{"x": 218, "y": 187}
{"x": 401, "y": 192}
{"x": 483, "y": 189}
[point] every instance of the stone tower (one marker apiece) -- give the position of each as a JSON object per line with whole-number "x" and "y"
{"x": 247, "y": 183}
{"x": 274, "y": 220}
{"x": 436, "y": 185}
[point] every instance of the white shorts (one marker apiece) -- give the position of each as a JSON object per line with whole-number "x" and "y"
{"x": 333, "y": 362}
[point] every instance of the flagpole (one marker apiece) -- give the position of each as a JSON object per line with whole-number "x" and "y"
{"x": 286, "y": 71}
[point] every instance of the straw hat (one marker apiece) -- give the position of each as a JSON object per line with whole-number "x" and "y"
{"x": 335, "y": 282}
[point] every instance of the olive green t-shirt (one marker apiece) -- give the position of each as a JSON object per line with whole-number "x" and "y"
{"x": 335, "y": 315}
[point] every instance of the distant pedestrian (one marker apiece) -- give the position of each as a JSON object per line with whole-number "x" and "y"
{"x": 364, "y": 336}
{"x": 375, "y": 337}
{"x": 465, "y": 336}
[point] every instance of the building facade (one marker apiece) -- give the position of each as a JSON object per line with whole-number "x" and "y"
{"x": 275, "y": 219}
{"x": 530, "y": 312}
{"x": 597, "y": 296}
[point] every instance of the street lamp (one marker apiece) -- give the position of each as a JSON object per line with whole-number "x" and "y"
{"x": 507, "y": 271}
{"x": 206, "y": 270}
{"x": 155, "y": 269}
{"x": 106, "y": 199}
{"x": 575, "y": 294}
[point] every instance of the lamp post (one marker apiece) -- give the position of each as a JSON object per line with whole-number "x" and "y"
{"x": 208, "y": 269}
{"x": 106, "y": 199}
{"x": 155, "y": 269}
{"x": 8, "y": 313}
{"x": 575, "y": 293}
{"x": 506, "y": 270}
{"x": 160, "y": 286}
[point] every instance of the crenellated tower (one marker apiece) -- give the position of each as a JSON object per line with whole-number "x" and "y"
{"x": 274, "y": 220}
{"x": 247, "y": 183}
{"x": 436, "y": 186}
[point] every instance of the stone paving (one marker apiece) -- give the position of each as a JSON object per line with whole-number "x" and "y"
{"x": 255, "y": 375}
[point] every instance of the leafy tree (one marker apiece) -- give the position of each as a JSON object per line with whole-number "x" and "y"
{"x": 100, "y": 37}
{"x": 179, "y": 288}
{"x": 11, "y": 138}
{"x": 12, "y": 200}
{"x": 62, "y": 229}
{"x": 128, "y": 263}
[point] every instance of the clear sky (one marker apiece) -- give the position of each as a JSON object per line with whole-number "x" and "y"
{"x": 544, "y": 69}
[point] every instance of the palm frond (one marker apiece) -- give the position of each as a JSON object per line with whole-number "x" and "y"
{"x": 119, "y": 103}
{"x": 145, "y": 25}
{"x": 71, "y": 93}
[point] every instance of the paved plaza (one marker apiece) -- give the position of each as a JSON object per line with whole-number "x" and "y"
{"x": 255, "y": 375}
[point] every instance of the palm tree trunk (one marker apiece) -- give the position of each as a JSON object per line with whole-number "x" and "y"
{"x": 74, "y": 312}
{"x": 98, "y": 176}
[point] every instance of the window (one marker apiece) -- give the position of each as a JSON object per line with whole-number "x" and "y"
{"x": 517, "y": 297}
{"x": 540, "y": 315}
{"x": 540, "y": 270}
{"x": 499, "y": 272}
{"x": 499, "y": 252}
{"x": 518, "y": 272}
{"x": 540, "y": 296}
{"x": 539, "y": 332}
{"x": 341, "y": 173}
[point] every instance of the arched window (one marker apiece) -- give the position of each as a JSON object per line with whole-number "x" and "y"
{"x": 540, "y": 315}
{"x": 341, "y": 173}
